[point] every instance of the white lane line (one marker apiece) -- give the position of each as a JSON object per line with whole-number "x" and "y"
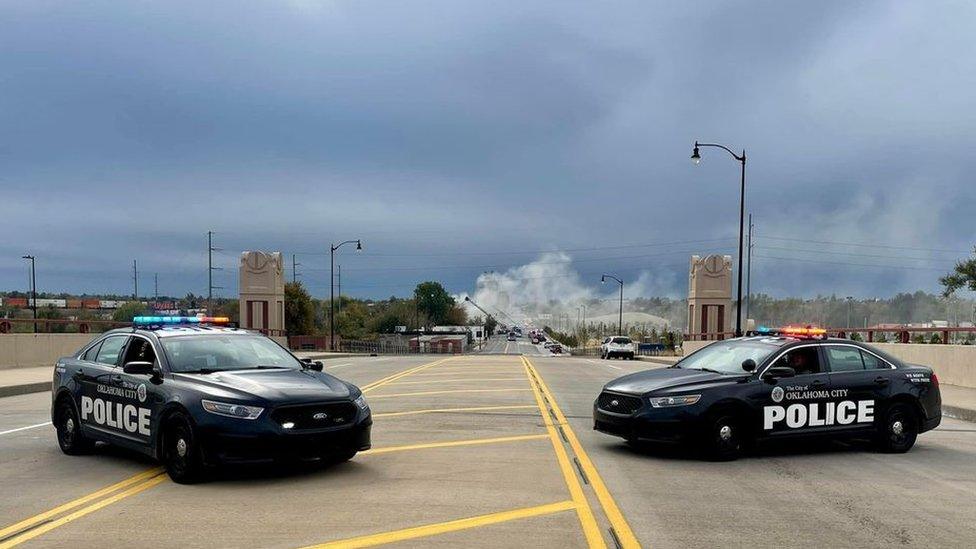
{"x": 338, "y": 365}
{"x": 603, "y": 363}
{"x": 25, "y": 428}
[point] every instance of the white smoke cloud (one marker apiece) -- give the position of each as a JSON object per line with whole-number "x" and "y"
{"x": 549, "y": 290}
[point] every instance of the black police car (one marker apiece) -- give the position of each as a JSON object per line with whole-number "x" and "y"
{"x": 774, "y": 385}
{"x": 196, "y": 395}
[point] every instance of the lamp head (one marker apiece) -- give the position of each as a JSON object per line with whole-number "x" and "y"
{"x": 603, "y": 279}
{"x": 359, "y": 245}
{"x": 695, "y": 157}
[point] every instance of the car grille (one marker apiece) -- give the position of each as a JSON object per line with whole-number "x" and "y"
{"x": 316, "y": 416}
{"x": 618, "y": 404}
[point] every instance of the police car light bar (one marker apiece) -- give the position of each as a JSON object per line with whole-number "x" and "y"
{"x": 178, "y": 320}
{"x": 792, "y": 331}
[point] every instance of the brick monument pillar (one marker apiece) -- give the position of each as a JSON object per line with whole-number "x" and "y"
{"x": 262, "y": 290}
{"x": 710, "y": 296}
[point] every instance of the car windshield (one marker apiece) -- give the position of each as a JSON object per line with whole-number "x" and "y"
{"x": 216, "y": 353}
{"x": 726, "y": 357}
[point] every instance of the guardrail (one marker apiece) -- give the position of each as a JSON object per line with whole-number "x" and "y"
{"x": 899, "y": 334}
{"x": 77, "y": 326}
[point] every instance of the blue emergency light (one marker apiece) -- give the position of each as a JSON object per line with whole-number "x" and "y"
{"x": 178, "y": 320}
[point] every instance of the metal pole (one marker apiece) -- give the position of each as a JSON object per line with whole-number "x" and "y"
{"x": 33, "y": 289}
{"x": 294, "y": 271}
{"x": 749, "y": 271}
{"x": 742, "y": 218}
{"x": 620, "y": 320}
{"x": 339, "y": 284}
{"x": 135, "y": 281}
{"x": 209, "y": 272}
{"x": 332, "y": 250}
{"x": 155, "y": 290}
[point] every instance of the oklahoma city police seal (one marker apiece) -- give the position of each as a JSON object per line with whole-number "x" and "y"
{"x": 141, "y": 392}
{"x": 777, "y": 394}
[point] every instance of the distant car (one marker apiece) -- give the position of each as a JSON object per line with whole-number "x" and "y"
{"x": 782, "y": 384}
{"x": 556, "y": 349}
{"x": 618, "y": 346}
{"x": 511, "y": 336}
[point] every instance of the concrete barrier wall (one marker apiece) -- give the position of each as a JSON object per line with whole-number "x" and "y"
{"x": 31, "y": 350}
{"x": 954, "y": 364}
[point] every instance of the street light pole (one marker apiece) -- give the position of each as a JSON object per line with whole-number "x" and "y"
{"x": 332, "y": 251}
{"x": 850, "y": 305}
{"x": 742, "y": 214}
{"x": 620, "y": 319}
{"x": 33, "y": 289}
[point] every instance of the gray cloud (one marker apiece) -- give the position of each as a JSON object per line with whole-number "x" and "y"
{"x": 459, "y": 128}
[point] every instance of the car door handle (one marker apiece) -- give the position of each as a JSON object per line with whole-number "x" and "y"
{"x": 881, "y": 380}
{"x": 117, "y": 378}
{"x": 817, "y": 383}
{"x": 79, "y": 374}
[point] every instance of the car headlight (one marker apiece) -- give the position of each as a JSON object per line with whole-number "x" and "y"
{"x": 239, "y": 411}
{"x": 670, "y": 401}
{"x": 361, "y": 402}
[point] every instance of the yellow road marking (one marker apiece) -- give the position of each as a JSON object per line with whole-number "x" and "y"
{"x": 47, "y": 527}
{"x": 370, "y": 386}
{"x": 617, "y": 520}
{"x": 583, "y": 510}
{"x": 450, "y": 526}
{"x": 423, "y": 393}
{"x": 469, "y": 442}
{"x": 456, "y": 380}
{"x": 26, "y": 523}
{"x": 448, "y": 410}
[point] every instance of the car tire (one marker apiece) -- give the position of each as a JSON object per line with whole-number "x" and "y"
{"x": 899, "y": 430}
{"x": 70, "y": 438}
{"x": 724, "y": 437}
{"x": 181, "y": 454}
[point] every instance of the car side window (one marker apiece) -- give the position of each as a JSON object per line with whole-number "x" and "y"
{"x": 139, "y": 350}
{"x": 872, "y": 362}
{"x": 844, "y": 359}
{"x": 92, "y": 352}
{"x": 110, "y": 349}
{"x": 803, "y": 360}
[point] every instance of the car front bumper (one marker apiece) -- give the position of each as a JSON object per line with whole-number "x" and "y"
{"x": 224, "y": 447}
{"x": 659, "y": 425}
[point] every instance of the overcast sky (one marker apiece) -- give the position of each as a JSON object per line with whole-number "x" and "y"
{"x": 451, "y": 135}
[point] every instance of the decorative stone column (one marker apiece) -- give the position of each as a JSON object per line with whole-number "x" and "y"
{"x": 262, "y": 291}
{"x": 710, "y": 296}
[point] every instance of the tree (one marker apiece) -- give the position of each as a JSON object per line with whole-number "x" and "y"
{"x": 129, "y": 310}
{"x": 490, "y": 325}
{"x": 434, "y": 301}
{"x": 299, "y": 310}
{"x": 50, "y": 313}
{"x": 963, "y": 275}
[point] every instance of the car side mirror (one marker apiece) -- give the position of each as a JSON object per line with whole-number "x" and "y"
{"x": 749, "y": 365}
{"x": 139, "y": 367}
{"x": 777, "y": 372}
{"x": 317, "y": 366}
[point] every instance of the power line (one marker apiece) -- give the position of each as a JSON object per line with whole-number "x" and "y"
{"x": 868, "y": 245}
{"x": 851, "y": 264}
{"x": 856, "y": 254}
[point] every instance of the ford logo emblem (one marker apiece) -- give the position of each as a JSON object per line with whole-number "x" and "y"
{"x": 614, "y": 403}
{"x": 320, "y": 416}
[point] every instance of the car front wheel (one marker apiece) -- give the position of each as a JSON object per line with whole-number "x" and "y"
{"x": 899, "y": 430}
{"x": 181, "y": 451}
{"x": 70, "y": 438}
{"x": 724, "y": 437}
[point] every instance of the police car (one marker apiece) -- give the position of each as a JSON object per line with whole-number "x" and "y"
{"x": 194, "y": 393}
{"x": 774, "y": 384}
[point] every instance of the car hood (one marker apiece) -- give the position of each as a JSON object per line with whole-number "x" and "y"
{"x": 272, "y": 385}
{"x": 666, "y": 378}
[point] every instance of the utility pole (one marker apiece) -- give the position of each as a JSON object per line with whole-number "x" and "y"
{"x": 850, "y": 306}
{"x": 33, "y": 289}
{"x": 155, "y": 290}
{"x": 135, "y": 281}
{"x": 749, "y": 271}
{"x": 294, "y": 269}
{"x": 339, "y": 287}
{"x": 210, "y": 270}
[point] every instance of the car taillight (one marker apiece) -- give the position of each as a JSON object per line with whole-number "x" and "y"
{"x": 935, "y": 380}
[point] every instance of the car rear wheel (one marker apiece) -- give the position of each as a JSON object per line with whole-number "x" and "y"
{"x": 724, "y": 437}
{"x": 899, "y": 430}
{"x": 181, "y": 451}
{"x": 70, "y": 438}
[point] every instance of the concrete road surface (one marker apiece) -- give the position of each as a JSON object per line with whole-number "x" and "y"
{"x": 492, "y": 451}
